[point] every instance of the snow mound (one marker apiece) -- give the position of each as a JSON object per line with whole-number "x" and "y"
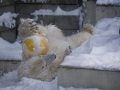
{"x": 10, "y": 51}
{"x": 101, "y": 51}
{"x": 7, "y": 19}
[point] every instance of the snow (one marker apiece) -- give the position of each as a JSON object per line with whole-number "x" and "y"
{"x": 7, "y": 19}
{"x": 57, "y": 12}
{"x": 106, "y": 2}
{"x": 10, "y": 51}
{"x": 10, "y": 82}
{"x": 101, "y": 51}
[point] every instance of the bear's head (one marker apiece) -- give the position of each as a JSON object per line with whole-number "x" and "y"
{"x": 36, "y": 67}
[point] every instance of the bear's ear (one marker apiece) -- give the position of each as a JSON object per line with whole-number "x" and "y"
{"x": 49, "y": 58}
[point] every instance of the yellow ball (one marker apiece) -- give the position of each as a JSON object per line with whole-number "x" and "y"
{"x": 35, "y": 45}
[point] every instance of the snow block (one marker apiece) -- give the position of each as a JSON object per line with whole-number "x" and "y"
{"x": 88, "y": 78}
{"x": 67, "y": 22}
{"x": 6, "y": 2}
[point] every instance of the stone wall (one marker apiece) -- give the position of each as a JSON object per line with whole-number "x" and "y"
{"x": 93, "y": 13}
{"x": 69, "y": 24}
{"x": 88, "y": 78}
{"x": 8, "y": 34}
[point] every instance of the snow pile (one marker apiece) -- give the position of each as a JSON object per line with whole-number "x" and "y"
{"x": 10, "y": 82}
{"x": 7, "y": 19}
{"x": 102, "y": 51}
{"x": 106, "y": 2}
{"x": 9, "y": 51}
{"x": 58, "y": 12}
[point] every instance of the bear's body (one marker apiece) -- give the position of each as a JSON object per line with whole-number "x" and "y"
{"x": 58, "y": 44}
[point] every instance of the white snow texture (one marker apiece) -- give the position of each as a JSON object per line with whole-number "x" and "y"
{"x": 7, "y": 19}
{"x": 101, "y": 51}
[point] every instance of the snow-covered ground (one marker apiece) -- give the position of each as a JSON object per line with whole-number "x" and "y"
{"x": 102, "y": 51}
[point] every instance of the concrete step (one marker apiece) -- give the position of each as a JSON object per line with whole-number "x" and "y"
{"x": 88, "y": 78}
{"x": 8, "y": 65}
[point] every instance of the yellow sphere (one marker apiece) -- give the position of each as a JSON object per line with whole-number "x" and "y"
{"x": 35, "y": 45}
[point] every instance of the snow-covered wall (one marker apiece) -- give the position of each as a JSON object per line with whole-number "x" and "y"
{"x": 58, "y": 12}
{"x": 107, "y": 2}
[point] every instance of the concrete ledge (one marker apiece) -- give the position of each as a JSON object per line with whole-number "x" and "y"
{"x": 8, "y": 65}
{"x": 88, "y": 78}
